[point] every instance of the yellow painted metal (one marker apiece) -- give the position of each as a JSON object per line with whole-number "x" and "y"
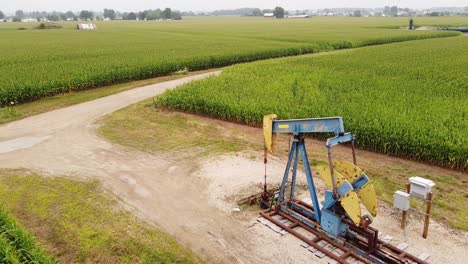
{"x": 325, "y": 174}
{"x": 270, "y": 138}
{"x": 350, "y": 203}
{"x": 346, "y": 171}
{"x": 367, "y": 193}
{"x": 350, "y": 171}
{"x": 368, "y": 198}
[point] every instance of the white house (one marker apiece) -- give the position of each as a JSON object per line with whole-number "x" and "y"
{"x": 29, "y": 20}
{"x": 86, "y": 26}
{"x": 269, "y": 15}
{"x": 298, "y": 16}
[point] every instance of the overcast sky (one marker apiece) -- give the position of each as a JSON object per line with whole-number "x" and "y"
{"x": 206, "y": 5}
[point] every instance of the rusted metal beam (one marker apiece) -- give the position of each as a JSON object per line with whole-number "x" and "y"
{"x": 364, "y": 245}
{"x": 428, "y": 215}
{"x": 314, "y": 242}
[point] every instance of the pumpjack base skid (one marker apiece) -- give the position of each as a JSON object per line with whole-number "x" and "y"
{"x": 360, "y": 246}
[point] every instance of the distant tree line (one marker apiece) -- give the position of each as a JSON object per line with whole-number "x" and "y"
{"x": 168, "y": 13}
{"x": 397, "y": 11}
{"x": 110, "y": 14}
{"x": 254, "y": 12}
{"x": 156, "y": 14}
{"x": 40, "y": 15}
{"x": 238, "y": 12}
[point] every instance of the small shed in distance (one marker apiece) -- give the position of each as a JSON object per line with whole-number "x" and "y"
{"x": 86, "y": 26}
{"x": 298, "y": 16}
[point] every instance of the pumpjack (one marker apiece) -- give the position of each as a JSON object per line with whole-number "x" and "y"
{"x": 338, "y": 220}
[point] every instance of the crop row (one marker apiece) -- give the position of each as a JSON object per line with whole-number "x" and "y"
{"x": 17, "y": 245}
{"x": 36, "y": 64}
{"x": 407, "y": 99}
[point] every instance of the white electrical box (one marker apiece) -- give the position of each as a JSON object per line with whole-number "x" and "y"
{"x": 401, "y": 200}
{"x": 420, "y": 187}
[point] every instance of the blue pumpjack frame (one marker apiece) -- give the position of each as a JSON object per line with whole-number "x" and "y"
{"x": 298, "y": 149}
{"x": 299, "y": 128}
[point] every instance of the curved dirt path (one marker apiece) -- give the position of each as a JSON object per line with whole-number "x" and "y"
{"x": 161, "y": 190}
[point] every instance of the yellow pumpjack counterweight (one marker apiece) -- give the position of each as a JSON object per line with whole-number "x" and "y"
{"x": 366, "y": 193}
{"x": 346, "y": 171}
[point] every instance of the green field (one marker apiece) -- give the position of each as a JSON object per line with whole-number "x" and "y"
{"x": 406, "y": 99}
{"x": 40, "y": 63}
{"x": 17, "y": 245}
{"x": 77, "y": 222}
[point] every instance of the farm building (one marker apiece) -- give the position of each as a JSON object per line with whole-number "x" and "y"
{"x": 29, "y": 20}
{"x": 298, "y": 16}
{"x": 86, "y": 26}
{"x": 269, "y": 15}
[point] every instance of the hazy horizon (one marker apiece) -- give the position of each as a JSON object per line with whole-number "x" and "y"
{"x": 204, "y": 5}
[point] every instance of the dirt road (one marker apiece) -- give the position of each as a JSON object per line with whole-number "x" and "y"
{"x": 179, "y": 196}
{"x": 159, "y": 189}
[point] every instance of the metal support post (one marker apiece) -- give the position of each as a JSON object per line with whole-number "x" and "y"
{"x": 330, "y": 162}
{"x": 293, "y": 182}
{"x": 286, "y": 172}
{"x": 428, "y": 215}
{"x": 354, "y": 151}
{"x": 403, "y": 218}
{"x": 310, "y": 181}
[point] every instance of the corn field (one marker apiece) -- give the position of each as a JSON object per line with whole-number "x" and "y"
{"x": 405, "y": 99}
{"x": 36, "y": 64}
{"x": 17, "y": 245}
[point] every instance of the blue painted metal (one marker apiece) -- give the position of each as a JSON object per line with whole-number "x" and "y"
{"x": 299, "y": 127}
{"x": 333, "y": 224}
{"x": 339, "y": 139}
{"x": 329, "y": 201}
{"x": 293, "y": 182}
{"x": 298, "y": 147}
{"x": 310, "y": 181}
{"x": 298, "y": 216}
{"x": 360, "y": 182}
{"x": 304, "y": 211}
{"x": 286, "y": 172}
{"x": 330, "y": 218}
{"x": 311, "y": 125}
{"x": 344, "y": 188}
